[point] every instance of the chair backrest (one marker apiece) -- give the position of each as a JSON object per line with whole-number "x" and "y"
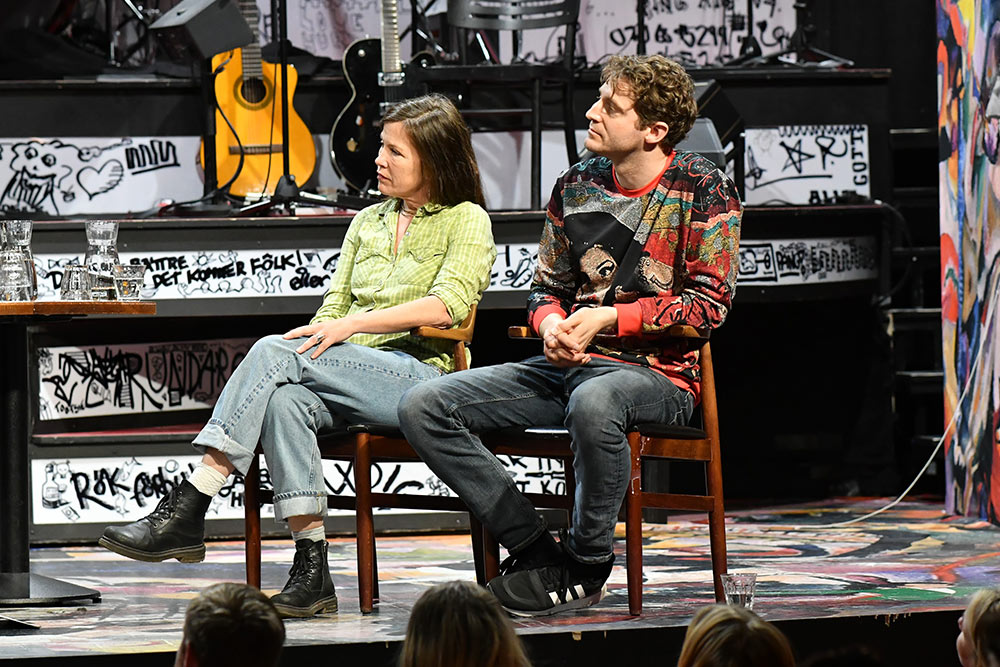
{"x": 516, "y": 16}
{"x": 512, "y": 14}
{"x": 460, "y": 336}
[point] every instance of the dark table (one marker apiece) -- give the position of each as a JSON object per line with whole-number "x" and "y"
{"x": 18, "y": 586}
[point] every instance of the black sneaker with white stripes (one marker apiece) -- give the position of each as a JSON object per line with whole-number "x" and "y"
{"x": 551, "y": 589}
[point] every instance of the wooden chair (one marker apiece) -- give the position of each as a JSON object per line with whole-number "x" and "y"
{"x": 477, "y": 20}
{"x": 646, "y": 442}
{"x": 362, "y": 445}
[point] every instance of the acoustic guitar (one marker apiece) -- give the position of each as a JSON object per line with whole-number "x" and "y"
{"x": 248, "y": 90}
{"x": 355, "y": 138}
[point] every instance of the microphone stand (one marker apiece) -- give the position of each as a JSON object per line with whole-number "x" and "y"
{"x": 800, "y": 45}
{"x": 750, "y": 48}
{"x": 287, "y": 192}
{"x": 640, "y": 28}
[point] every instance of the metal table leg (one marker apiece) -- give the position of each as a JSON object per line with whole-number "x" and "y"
{"x": 18, "y": 587}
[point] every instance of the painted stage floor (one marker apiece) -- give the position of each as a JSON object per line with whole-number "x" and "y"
{"x": 910, "y": 560}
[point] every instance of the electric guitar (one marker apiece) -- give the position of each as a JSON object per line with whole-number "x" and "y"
{"x": 354, "y": 140}
{"x": 249, "y": 92}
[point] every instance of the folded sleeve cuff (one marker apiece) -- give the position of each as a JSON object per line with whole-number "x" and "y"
{"x": 542, "y": 313}
{"x": 629, "y": 318}
{"x": 457, "y": 306}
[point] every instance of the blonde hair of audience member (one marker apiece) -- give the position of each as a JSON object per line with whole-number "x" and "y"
{"x": 231, "y": 625}
{"x": 730, "y": 636}
{"x": 978, "y": 642}
{"x": 459, "y": 624}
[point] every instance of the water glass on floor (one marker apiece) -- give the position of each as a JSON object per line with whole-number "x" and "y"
{"x": 128, "y": 281}
{"x": 739, "y": 589}
{"x": 75, "y": 283}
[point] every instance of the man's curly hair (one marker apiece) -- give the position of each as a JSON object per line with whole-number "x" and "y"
{"x": 660, "y": 89}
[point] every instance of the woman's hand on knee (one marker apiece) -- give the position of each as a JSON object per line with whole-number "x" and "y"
{"x": 320, "y": 336}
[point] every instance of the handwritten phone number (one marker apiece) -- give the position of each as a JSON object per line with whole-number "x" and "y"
{"x": 697, "y": 36}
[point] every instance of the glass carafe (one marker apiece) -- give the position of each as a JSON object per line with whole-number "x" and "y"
{"x": 17, "y": 237}
{"x": 101, "y": 257}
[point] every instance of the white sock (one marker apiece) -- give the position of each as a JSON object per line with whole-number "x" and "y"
{"x": 207, "y": 480}
{"x": 317, "y": 534}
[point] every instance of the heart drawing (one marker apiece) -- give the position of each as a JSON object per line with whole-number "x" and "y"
{"x": 97, "y": 181}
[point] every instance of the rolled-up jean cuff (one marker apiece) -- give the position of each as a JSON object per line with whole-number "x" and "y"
{"x": 302, "y": 503}
{"x": 213, "y": 437}
{"x": 589, "y": 560}
{"x": 540, "y": 528}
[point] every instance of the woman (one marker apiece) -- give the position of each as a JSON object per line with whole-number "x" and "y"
{"x": 459, "y": 624}
{"x": 422, "y": 257}
{"x": 978, "y": 642}
{"x": 729, "y": 636}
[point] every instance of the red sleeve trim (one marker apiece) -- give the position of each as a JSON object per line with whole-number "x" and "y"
{"x": 629, "y": 318}
{"x": 542, "y": 313}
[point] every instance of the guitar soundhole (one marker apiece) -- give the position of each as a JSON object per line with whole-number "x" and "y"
{"x": 253, "y": 90}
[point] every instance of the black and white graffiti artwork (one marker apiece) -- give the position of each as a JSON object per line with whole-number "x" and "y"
{"x": 101, "y": 380}
{"x": 109, "y": 489}
{"x": 807, "y": 164}
{"x": 94, "y": 175}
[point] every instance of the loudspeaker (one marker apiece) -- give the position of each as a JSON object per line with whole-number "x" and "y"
{"x": 704, "y": 139}
{"x": 701, "y": 139}
{"x": 199, "y": 29}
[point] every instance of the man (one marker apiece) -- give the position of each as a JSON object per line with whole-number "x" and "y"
{"x": 231, "y": 625}
{"x": 635, "y": 240}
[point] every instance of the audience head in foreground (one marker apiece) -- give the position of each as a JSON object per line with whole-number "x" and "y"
{"x": 978, "y": 642}
{"x": 729, "y": 636}
{"x": 231, "y": 625}
{"x": 459, "y": 624}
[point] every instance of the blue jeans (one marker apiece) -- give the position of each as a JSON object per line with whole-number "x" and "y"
{"x": 282, "y": 399}
{"x": 597, "y": 403}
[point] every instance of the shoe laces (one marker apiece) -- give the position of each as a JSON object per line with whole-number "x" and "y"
{"x": 164, "y": 509}
{"x": 510, "y": 565}
{"x": 299, "y": 572}
{"x": 559, "y": 574}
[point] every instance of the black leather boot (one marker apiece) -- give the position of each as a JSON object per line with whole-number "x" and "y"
{"x": 309, "y": 590}
{"x": 175, "y": 529}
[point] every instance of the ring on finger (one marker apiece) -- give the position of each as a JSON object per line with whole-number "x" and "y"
{"x": 319, "y": 337}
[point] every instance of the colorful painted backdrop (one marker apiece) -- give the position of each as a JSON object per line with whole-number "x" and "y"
{"x": 969, "y": 123}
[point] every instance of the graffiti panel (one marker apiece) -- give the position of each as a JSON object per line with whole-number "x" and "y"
{"x": 109, "y": 489}
{"x": 61, "y": 176}
{"x": 100, "y": 380}
{"x": 807, "y": 164}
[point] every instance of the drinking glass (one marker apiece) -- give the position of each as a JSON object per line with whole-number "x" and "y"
{"x": 101, "y": 232}
{"x": 101, "y": 257}
{"x": 15, "y": 283}
{"x": 18, "y": 237}
{"x": 739, "y": 588}
{"x": 128, "y": 281}
{"x": 75, "y": 283}
{"x": 17, "y": 232}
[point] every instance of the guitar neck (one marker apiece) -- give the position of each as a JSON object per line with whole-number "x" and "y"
{"x": 390, "y": 38}
{"x": 250, "y": 54}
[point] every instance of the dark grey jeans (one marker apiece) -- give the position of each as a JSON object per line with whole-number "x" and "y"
{"x": 597, "y": 402}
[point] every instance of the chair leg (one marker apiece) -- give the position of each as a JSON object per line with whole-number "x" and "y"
{"x": 536, "y": 144}
{"x": 375, "y": 596}
{"x": 717, "y": 539}
{"x": 570, "y": 479}
{"x": 717, "y": 527}
{"x": 477, "y": 536}
{"x": 633, "y": 527}
{"x": 569, "y": 124}
{"x": 491, "y": 556}
{"x": 365, "y": 523}
{"x": 251, "y": 521}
